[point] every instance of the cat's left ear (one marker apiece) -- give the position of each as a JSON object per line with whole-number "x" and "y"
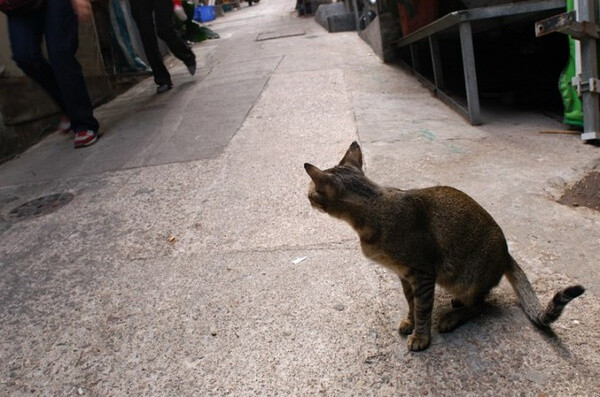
{"x": 353, "y": 156}
{"x": 314, "y": 172}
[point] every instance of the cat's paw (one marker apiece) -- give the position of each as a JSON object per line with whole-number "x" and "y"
{"x": 449, "y": 322}
{"x": 418, "y": 342}
{"x": 406, "y": 326}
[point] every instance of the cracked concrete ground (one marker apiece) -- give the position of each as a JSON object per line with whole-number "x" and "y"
{"x": 171, "y": 273}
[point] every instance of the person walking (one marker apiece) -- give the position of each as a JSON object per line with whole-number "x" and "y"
{"x": 142, "y": 12}
{"x": 61, "y": 75}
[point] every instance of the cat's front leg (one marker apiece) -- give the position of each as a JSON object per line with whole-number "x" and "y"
{"x": 424, "y": 288}
{"x": 407, "y": 325}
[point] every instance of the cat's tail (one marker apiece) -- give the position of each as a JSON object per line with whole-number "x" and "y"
{"x": 530, "y": 302}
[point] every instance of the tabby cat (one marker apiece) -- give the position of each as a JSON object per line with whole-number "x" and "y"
{"x": 427, "y": 236}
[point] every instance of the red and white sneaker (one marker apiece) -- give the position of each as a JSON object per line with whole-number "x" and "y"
{"x": 64, "y": 126}
{"x": 85, "y": 138}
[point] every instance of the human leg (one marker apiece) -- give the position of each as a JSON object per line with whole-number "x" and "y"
{"x": 142, "y": 11}
{"x": 166, "y": 31}
{"x": 25, "y": 34}
{"x": 61, "y": 32}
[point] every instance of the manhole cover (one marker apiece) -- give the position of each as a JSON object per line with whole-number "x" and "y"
{"x": 40, "y": 206}
{"x": 585, "y": 193}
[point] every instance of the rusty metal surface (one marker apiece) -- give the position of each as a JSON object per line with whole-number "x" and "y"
{"x": 567, "y": 23}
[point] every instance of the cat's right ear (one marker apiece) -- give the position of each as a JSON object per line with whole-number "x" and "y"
{"x": 353, "y": 156}
{"x": 315, "y": 173}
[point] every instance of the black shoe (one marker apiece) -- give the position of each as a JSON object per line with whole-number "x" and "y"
{"x": 163, "y": 88}
{"x": 191, "y": 66}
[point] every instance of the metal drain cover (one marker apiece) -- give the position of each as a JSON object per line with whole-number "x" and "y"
{"x": 40, "y": 206}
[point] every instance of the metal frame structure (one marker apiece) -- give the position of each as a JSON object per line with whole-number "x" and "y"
{"x": 481, "y": 18}
{"x": 582, "y": 26}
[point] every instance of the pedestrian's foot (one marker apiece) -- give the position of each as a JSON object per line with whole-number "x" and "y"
{"x": 191, "y": 66}
{"x": 85, "y": 138}
{"x": 163, "y": 88}
{"x": 64, "y": 126}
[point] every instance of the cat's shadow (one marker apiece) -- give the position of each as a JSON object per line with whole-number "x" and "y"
{"x": 494, "y": 311}
{"x": 493, "y": 316}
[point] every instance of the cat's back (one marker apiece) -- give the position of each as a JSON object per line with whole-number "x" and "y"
{"x": 434, "y": 199}
{"x": 445, "y": 203}
{"x": 456, "y": 219}
{"x": 448, "y": 213}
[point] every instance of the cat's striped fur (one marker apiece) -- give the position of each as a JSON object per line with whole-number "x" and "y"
{"x": 437, "y": 235}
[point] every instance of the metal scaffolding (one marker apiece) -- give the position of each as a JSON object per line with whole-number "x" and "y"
{"x": 464, "y": 22}
{"x": 582, "y": 26}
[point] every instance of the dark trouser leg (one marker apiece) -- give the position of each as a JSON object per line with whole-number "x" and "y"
{"x": 25, "y": 33}
{"x": 163, "y": 14}
{"x": 62, "y": 39}
{"x": 142, "y": 10}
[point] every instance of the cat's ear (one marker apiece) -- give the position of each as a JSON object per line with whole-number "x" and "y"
{"x": 314, "y": 172}
{"x": 353, "y": 156}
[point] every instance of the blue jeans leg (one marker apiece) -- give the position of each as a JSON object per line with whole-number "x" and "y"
{"x": 25, "y": 34}
{"x": 62, "y": 40}
{"x": 61, "y": 77}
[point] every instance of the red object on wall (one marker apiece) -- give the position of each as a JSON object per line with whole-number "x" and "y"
{"x": 417, "y": 14}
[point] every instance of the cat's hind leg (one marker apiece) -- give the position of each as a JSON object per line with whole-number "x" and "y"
{"x": 463, "y": 310}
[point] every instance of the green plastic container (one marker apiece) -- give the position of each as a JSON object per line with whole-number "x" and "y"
{"x": 573, "y": 115}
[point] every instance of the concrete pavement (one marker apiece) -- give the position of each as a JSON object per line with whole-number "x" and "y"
{"x": 171, "y": 273}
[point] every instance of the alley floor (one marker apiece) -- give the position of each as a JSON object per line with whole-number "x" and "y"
{"x": 188, "y": 260}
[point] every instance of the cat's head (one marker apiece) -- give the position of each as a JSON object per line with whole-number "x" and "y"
{"x": 330, "y": 189}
